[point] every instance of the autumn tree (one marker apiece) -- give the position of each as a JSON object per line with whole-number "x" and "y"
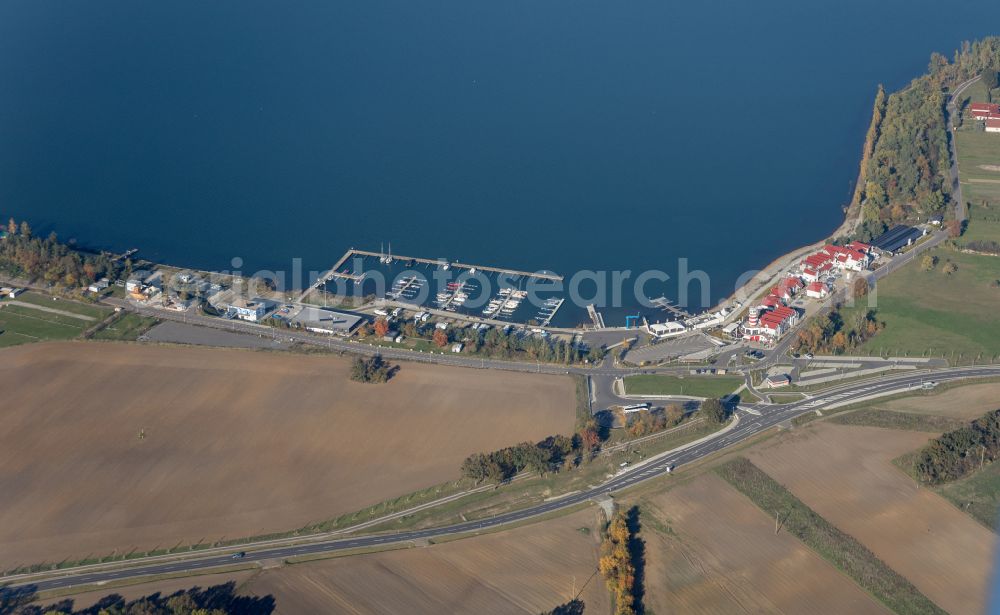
{"x": 928, "y": 262}
{"x": 674, "y": 414}
{"x": 381, "y": 327}
{"x": 839, "y": 342}
{"x": 954, "y": 228}
{"x": 440, "y": 338}
{"x": 949, "y": 268}
{"x": 590, "y": 436}
{"x": 860, "y": 288}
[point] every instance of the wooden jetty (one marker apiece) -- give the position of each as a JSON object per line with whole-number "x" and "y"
{"x": 668, "y": 305}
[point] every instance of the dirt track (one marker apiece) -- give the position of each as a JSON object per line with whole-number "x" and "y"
{"x": 236, "y": 442}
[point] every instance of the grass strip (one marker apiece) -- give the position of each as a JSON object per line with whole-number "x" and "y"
{"x": 889, "y": 419}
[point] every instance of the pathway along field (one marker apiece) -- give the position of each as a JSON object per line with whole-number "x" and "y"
{"x": 845, "y": 474}
{"x": 236, "y": 442}
{"x": 721, "y": 555}
{"x": 530, "y": 569}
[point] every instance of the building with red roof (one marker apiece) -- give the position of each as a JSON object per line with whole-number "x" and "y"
{"x": 770, "y": 301}
{"x": 815, "y": 261}
{"x": 982, "y": 111}
{"x": 993, "y": 124}
{"x": 817, "y": 290}
{"x": 854, "y": 256}
{"x": 771, "y": 324}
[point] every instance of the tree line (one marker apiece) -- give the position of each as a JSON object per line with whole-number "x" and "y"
{"x": 959, "y": 452}
{"x": 493, "y": 342}
{"x": 214, "y": 600}
{"x": 621, "y": 562}
{"x": 25, "y": 256}
{"x": 546, "y": 456}
{"x": 985, "y": 246}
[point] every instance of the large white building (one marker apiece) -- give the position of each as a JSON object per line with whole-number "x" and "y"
{"x": 666, "y": 329}
{"x": 252, "y": 310}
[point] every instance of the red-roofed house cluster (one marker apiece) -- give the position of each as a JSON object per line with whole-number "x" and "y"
{"x": 768, "y": 324}
{"x": 986, "y": 112}
{"x": 855, "y": 256}
{"x": 772, "y": 317}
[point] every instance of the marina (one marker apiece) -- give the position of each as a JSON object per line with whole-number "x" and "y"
{"x": 472, "y": 291}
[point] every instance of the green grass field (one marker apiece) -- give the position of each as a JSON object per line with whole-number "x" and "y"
{"x": 22, "y": 325}
{"x": 93, "y": 311}
{"x": 127, "y": 328}
{"x": 929, "y": 313}
{"x": 977, "y": 495}
{"x": 695, "y": 386}
{"x": 979, "y": 170}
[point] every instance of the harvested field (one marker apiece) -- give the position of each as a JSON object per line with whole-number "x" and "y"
{"x": 720, "y": 555}
{"x": 845, "y": 474}
{"x": 525, "y": 570}
{"x": 965, "y": 402}
{"x": 236, "y": 443}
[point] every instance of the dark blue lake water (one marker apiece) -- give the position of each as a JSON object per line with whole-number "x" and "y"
{"x": 533, "y": 135}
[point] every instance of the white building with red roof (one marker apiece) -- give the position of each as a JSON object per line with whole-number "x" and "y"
{"x": 854, "y": 256}
{"x": 770, "y": 301}
{"x": 984, "y": 111}
{"x": 770, "y": 325}
{"x": 817, "y": 290}
{"x": 993, "y": 124}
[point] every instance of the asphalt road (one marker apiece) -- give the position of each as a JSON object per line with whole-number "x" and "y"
{"x": 754, "y": 419}
{"x": 950, "y": 110}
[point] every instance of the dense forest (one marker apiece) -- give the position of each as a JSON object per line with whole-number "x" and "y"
{"x": 904, "y": 166}
{"x": 25, "y": 256}
{"x": 955, "y": 454}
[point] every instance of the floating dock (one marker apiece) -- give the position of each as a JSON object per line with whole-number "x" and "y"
{"x": 551, "y": 311}
{"x": 668, "y": 306}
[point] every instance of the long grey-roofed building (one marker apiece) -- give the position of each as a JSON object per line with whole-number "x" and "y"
{"x": 897, "y": 237}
